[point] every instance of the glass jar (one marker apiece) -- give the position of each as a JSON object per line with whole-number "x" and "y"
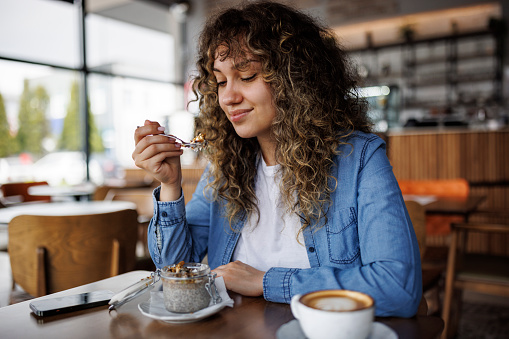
{"x": 187, "y": 287}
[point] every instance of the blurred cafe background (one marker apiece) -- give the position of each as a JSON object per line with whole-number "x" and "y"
{"x": 77, "y": 77}
{"x": 428, "y": 65}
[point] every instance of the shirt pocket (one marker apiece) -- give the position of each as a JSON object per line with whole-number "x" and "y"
{"x": 343, "y": 237}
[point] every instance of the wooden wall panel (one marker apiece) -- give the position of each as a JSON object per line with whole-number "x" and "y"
{"x": 479, "y": 157}
{"x": 502, "y": 155}
{"x": 395, "y": 153}
{"x": 449, "y": 157}
{"x": 428, "y": 160}
{"x": 414, "y": 156}
{"x": 492, "y": 157}
{"x": 485, "y": 156}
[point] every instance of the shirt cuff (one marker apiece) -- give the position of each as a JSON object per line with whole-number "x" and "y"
{"x": 277, "y": 284}
{"x": 168, "y": 213}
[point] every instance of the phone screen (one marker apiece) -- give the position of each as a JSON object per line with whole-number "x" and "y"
{"x": 71, "y": 303}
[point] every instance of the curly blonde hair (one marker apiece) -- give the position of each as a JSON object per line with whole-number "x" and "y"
{"x": 314, "y": 92}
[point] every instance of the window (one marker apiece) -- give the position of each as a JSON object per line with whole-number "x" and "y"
{"x": 42, "y": 118}
{"x": 40, "y": 30}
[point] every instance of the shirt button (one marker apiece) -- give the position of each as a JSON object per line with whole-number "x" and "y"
{"x": 164, "y": 214}
{"x": 311, "y": 249}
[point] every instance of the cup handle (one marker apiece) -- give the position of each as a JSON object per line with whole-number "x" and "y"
{"x": 293, "y": 305}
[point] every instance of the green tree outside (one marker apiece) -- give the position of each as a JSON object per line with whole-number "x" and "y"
{"x": 72, "y": 131}
{"x": 33, "y": 125}
{"x": 7, "y": 144}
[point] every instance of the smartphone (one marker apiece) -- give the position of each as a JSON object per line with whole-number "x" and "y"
{"x": 70, "y": 303}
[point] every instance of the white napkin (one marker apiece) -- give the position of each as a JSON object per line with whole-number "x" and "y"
{"x": 421, "y": 199}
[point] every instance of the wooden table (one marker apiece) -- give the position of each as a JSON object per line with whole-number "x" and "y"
{"x": 448, "y": 206}
{"x": 62, "y": 208}
{"x": 249, "y": 318}
{"x": 77, "y": 192}
{"x": 455, "y": 206}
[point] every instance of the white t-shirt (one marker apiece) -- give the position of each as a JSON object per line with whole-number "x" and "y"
{"x": 273, "y": 241}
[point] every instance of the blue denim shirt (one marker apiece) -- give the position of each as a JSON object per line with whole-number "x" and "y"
{"x": 367, "y": 245}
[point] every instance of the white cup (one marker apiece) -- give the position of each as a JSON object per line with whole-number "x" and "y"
{"x": 334, "y": 314}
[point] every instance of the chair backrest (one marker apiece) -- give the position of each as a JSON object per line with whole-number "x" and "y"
{"x": 144, "y": 206}
{"x": 417, "y": 214}
{"x": 141, "y": 197}
{"x": 21, "y": 189}
{"x": 138, "y": 177}
{"x": 477, "y": 272}
{"x": 54, "y": 253}
{"x": 443, "y": 188}
{"x": 190, "y": 179}
{"x": 101, "y": 192}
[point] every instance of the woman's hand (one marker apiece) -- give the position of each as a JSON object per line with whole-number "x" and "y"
{"x": 242, "y": 278}
{"x": 160, "y": 157}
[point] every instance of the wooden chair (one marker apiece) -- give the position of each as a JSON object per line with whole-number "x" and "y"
{"x": 141, "y": 197}
{"x": 53, "y": 253}
{"x": 190, "y": 179}
{"x": 19, "y": 191}
{"x": 138, "y": 177}
{"x": 101, "y": 192}
{"x": 145, "y": 208}
{"x": 417, "y": 214}
{"x": 478, "y": 272}
{"x": 431, "y": 276}
{"x": 437, "y": 226}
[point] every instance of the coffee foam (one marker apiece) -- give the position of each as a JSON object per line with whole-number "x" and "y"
{"x": 335, "y": 304}
{"x": 337, "y": 301}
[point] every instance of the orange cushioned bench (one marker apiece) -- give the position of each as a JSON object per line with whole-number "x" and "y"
{"x": 442, "y": 188}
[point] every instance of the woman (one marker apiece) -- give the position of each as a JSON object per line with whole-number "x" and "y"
{"x": 298, "y": 196}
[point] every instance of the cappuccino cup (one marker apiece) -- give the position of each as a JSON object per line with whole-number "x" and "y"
{"x": 334, "y": 314}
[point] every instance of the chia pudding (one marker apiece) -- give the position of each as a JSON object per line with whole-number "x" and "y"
{"x": 184, "y": 287}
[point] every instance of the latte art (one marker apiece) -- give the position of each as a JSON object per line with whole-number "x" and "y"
{"x": 337, "y": 301}
{"x": 335, "y": 304}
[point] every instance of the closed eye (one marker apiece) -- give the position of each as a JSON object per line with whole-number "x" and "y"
{"x": 250, "y": 78}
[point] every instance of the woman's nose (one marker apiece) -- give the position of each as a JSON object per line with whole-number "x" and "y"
{"x": 230, "y": 95}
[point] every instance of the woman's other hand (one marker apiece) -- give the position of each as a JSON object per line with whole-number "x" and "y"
{"x": 241, "y": 278}
{"x": 160, "y": 157}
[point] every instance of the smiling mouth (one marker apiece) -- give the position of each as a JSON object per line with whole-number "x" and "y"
{"x": 238, "y": 114}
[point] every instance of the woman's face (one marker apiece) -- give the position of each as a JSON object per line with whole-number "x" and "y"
{"x": 245, "y": 98}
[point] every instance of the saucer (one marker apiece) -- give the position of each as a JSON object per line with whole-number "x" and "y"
{"x": 154, "y": 307}
{"x": 292, "y": 330}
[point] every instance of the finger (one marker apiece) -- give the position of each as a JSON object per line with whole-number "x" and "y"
{"x": 160, "y": 158}
{"x": 157, "y": 152}
{"x": 148, "y": 122}
{"x": 145, "y": 151}
{"x": 220, "y": 270}
{"x": 150, "y": 140}
{"x": 149, "y": 128}
{"x": 156, "y": 161}
{"x": 153, "y": 137}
